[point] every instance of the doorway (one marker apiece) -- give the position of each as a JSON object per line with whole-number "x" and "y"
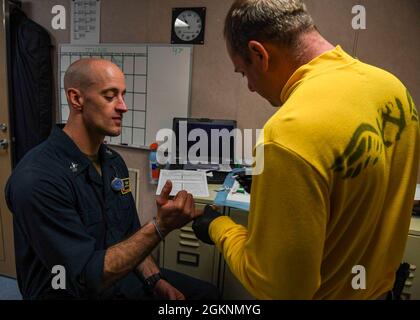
{"x": 7, "y": 257}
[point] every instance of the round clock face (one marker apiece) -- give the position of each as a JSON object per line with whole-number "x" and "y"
{"x": 188, "y": 25}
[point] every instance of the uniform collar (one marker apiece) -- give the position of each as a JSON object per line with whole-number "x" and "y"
{"x": 331, "y": 59}
{"x": 106, "y": 153}
{"x": 77, "y": 160}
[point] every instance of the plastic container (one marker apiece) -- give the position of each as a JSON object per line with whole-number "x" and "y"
{"x": 153, "y": 164}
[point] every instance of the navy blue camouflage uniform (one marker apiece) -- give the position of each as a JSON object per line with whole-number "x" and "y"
{"x": 65, "y": 213}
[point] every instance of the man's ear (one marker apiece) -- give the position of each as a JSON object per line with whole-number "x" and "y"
{"x": 75, "y": 99}
{"x": 258, "y": 54}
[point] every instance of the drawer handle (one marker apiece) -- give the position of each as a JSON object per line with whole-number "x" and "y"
{"x": 188, "y": 229}
{"x": 187, "y": 258}
{"x": 408, "y": 283}
{"x": 188, "y": 236}
{"x": 189, "y": 244}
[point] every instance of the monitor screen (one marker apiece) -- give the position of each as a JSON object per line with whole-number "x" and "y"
{"x": 204, "y": 140}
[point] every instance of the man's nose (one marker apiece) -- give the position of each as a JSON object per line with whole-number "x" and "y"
{"x": 121, "y": 106}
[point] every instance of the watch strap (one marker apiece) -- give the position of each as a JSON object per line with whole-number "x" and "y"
{"x": 150, "y": 282}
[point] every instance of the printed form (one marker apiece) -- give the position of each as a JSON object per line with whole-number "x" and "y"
{"x": 194, "y": 182}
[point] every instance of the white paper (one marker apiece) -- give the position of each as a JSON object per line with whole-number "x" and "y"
{"x": 238, "y": 197}
{"x": 85, "y": 21}
{"x": 417, "y": 195}
{"x": 194, "y": 182}
{"x": 225, "y": 168}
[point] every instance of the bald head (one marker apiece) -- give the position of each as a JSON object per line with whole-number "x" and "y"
{"x": 95, "y": 90}
{"x": 84, "y": 72}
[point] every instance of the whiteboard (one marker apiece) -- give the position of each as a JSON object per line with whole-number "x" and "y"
{"x": 158, "y": 82}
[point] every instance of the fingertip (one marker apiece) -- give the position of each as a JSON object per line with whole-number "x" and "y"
{"x": 168, "y": 185}
{"x": 166, "y": 190}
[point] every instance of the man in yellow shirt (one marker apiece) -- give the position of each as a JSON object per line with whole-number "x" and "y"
{"x": 340, "y": 164}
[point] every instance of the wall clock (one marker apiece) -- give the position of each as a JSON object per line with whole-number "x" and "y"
{"x": 188, "y": 25}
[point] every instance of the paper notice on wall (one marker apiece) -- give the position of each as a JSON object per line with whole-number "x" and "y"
{"x": 85, "y": 21}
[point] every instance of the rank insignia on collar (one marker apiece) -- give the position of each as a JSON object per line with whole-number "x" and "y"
{"x": 73, "y": 167}
{"x": 126, "y": 186}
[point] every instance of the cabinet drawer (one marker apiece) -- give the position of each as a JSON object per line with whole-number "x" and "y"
{"x": 183, "y": 252}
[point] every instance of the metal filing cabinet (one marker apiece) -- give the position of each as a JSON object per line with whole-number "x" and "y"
{"x": 230, "y": 287}
{"x": 183, "y": 252}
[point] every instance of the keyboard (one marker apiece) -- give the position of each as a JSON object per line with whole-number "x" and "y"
{"x": 217, "y": 178}
{"x": 200, "y": 166}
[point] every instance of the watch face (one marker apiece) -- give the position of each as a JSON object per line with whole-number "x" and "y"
{"x": 188, "y": 25}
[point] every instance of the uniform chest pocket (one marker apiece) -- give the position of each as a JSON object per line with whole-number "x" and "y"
{"x": 91, "y": 217}
{"x": 95, "y": 226}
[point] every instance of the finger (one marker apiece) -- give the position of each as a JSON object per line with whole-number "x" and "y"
{"x": 180, "y": 296}
{"x": 176, "y": 196}
{"x": 172, "y": 295}
{"x": 181, "y": 197}
{"x": 164, "y": 194}
{"x": 182, "y": 192}
{"x": 189, "y": 205}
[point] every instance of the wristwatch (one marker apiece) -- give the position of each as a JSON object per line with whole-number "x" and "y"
{"x": 151, "y": 281}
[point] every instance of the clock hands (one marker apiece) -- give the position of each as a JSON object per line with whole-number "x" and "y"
{"x": 181, "y": 24}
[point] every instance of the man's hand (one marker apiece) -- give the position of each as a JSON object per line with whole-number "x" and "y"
{"x": 174, "y": 214}
{"x": 165, "y": 291}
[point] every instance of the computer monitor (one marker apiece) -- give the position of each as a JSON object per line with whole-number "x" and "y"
{"x": 219, "y": 132}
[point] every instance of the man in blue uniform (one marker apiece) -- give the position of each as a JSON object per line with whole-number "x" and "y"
{"x": 72, "y": 206}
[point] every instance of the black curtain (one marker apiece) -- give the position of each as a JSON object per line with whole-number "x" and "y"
{"x": 31, "y": 83}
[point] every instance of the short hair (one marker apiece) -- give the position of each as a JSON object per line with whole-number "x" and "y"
{"x": 278, "y": 21}
{"x": 80, "y": 74}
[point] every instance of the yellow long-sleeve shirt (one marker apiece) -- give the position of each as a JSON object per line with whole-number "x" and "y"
{"x": 340, "y": 168}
